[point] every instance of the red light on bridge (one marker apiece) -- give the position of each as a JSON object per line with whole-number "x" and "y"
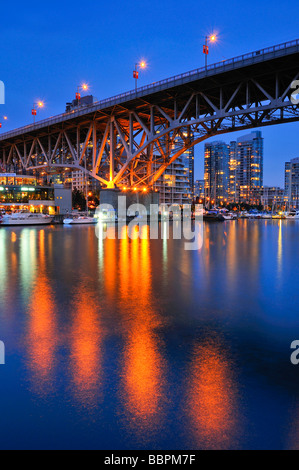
{"x": 206, "y": 49}
{"x": 78, "y": 96}
{"x": 135, "y": 74}
{"x": 34, "y": 112}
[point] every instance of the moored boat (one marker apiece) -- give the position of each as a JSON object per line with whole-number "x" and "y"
{"x": 25, "y": 218}
{"x": 80, "y": 220}
{"x": 213, "y": 216}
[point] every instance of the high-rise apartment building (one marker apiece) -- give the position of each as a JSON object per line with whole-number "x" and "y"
{"x": 273, "y": 198}
{"x": 246, "y": 168}
{"x": 199, "y": 189}
{"x": 176, "y": 185}
{"x": 292, "y": 183}
{"x": 216, "y": 172}
{"x": 234, "y": 172}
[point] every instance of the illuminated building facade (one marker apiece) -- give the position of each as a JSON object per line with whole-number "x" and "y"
{"x": 246, "y": 168}
{"x": 21, "y": 192}
{"x": 176, "y": 185}
{"x": 292, "y": 183}
{"x": 273, "y": 198}
{"x": 216, "y": 173}
{"x": 199, "y": 189}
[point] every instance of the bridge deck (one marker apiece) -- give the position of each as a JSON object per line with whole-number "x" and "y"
{"x": 222, "y": 73}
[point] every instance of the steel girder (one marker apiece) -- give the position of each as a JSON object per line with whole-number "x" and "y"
{"x": 133, "y": 147}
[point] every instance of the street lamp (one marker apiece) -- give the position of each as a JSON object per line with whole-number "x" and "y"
{"x": 141, "y": 65}
{"x": 209, "y": 39}
{"x": 5, "y": 118}
{"x": 38, "y": 104}
{"x": 83, "y": 87}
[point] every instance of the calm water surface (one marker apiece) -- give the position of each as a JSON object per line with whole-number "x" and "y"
{"x": 139, "y": 344}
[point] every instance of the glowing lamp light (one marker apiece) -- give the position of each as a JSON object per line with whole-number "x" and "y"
{"x": 143, "y": 64}
{"x": 213, "y": 38}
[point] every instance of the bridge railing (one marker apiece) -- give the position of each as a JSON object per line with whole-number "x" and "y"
{"x": 277, "y": 51}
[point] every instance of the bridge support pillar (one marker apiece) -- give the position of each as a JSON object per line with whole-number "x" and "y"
{"x": 110, "y": 196}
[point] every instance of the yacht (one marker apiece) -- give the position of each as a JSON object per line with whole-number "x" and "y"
{"x": 25, "y": 218}
{"x": 80, "y": 220}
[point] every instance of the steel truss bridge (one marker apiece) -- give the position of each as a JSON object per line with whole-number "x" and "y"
{"x": 129, "y": 140}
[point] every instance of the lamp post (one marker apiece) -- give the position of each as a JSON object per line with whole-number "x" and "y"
{"x": 5, "y": 119}
{"x": 206, "y": 47}
{"x": 83, "y": 87}
{"x": 141, "y": 65}
{"x": 37, "y": 105}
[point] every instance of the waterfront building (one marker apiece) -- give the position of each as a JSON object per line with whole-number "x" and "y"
{"x": 246, "y": 168}
{"x": 176, "y": 185}
{"x": 199, "y": 189}
{"x": 216, "y": 172}
{"x": 233, "y": 195}
{"x": 173, "y": 185}
{"x": 22, "y": 192}
{"x": 79, "y": 182}
{"x": 292, "y": 183}
{"x": 273, "y": 198}
{"x": 234, "y": 172}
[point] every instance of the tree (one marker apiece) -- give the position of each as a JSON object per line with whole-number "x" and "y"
{"x": 79, "y": 201}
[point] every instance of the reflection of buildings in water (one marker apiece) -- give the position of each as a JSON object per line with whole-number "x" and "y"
{"x": 42, "y": 327}
{"x": 212, "y": 398}
{"x": 28, "y": 259}
{"x": 85, "y": 346}
{"x": 279, "y": 250}
{"x": 8, "y": 272}
{"x": 232, "y": 256}
{"x": 3, "y": 265}
{"x": 142, "y": 385}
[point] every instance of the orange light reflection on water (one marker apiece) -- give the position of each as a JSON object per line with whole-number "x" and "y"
{"x": 42, "y": 327}
{"x": 212, "y": 398}
{"x": 85, "y": 347}
{"x": 143, "y": 378}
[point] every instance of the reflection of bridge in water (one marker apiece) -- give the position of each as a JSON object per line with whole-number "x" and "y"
{"x": 128, "y": 140}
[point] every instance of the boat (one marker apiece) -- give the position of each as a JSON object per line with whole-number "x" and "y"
{"x": 290, "y": 215}
{"x": 25, "y": 218}
{"x": 213, "y": 216}
{"x": 279, "y": 216}
{"x": 296, "y": 217}
{"x": 80, "y": 220}
{"x": 227, "y": 217}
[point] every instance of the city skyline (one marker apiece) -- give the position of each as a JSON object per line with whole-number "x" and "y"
{"x": 108, "y": 70}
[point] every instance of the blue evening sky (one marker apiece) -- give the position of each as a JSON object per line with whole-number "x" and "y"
{"x": 48, "y": 48}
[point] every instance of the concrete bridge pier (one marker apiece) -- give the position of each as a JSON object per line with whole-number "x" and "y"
{"x": 126, "y": 199}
